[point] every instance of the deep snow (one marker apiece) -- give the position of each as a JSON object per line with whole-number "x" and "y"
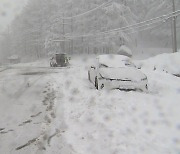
{"x": 167, "y": 62}
{"x": 61, "y": 110}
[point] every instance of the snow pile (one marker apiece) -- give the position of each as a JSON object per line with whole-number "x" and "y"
{"x": 167, "y": 62}
{"x": 124, "y": 50}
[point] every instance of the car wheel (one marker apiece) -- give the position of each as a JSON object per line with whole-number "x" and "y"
{"x": 89, "y": 76}
{"x": 96, "y": 82}
{"x": 102, "y": 86}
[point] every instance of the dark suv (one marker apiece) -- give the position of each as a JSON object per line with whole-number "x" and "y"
{"x": 59, "y": 60}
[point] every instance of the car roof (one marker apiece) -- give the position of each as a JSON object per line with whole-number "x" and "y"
{"x": 60, "y": 53}
{"x": 113, "y": 60}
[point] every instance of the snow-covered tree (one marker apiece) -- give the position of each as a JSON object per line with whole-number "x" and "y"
{"x": 114, "y": 15}
{"x": 42, "y": 22}
{"x": 148, "y": 9}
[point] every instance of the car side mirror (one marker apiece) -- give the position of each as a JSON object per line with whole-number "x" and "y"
{"x": 93, "y": 67}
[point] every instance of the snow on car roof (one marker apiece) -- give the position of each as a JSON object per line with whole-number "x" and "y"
{"x": 112, "y": 60}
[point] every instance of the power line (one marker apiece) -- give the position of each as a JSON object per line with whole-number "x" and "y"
{"x": 143, "y": 29}
{"x": 123, "y": 31}
{"x": 119, "y": 29}
{"x": 57, "y": 40}
{"x": 87, "y": 12}
{"x": 160, "y": 18}
{"x": 150, "y": 20}
{"x": 79, "y": 15}
{"x": 161, "y": 22}
{"x": 127, "y": 27}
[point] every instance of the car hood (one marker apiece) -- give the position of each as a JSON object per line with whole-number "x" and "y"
{"x": 125, "y": 74}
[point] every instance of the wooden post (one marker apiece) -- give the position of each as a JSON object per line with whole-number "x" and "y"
{"x": 72, "y": 42}
{"x": 63, "y": 43}
{"x": 174, "y": 30}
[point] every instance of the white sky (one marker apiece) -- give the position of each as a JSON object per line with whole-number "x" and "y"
{"x": 8, "y": 10}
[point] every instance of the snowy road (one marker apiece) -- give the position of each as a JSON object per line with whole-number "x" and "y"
{"x": 59, "y": 111}
{"x": 27, "y": 97}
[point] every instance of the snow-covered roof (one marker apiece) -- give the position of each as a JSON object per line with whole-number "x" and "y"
{"x": 13, "y": 57}
{"x": 112, "y": 60}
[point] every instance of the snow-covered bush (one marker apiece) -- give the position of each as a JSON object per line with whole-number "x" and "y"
{"x": 124, "y": 50}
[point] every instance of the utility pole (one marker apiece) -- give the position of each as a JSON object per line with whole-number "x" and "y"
{"x": 174, "y": 29}
{"x": 72, "y": 30}
{"x": 72, "y": 42}
{"x": 63, "y": 43}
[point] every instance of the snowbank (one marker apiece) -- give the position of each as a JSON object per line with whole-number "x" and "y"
{"x": 115, "y": 122}
{"x": 167, "y": 62}
{"x": 124, "y": 50}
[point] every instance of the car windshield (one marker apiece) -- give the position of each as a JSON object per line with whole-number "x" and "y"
{"x": 124, "y": 63}
{"x": 114, "y": 61}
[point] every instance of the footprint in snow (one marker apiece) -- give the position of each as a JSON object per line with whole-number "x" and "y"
{"x": 33, "y": 116}
{"x": 25, "y": 122}
{"x": 45, "y": 91}
{"x": 2, "y": 131}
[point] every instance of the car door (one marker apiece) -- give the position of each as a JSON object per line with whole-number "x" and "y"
{"x": 92, "y": 74}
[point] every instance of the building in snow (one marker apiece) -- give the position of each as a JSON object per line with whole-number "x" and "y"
{"x": 14, "y": 59}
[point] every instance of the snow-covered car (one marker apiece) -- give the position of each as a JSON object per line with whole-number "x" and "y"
{"x": 117, "y": 72}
